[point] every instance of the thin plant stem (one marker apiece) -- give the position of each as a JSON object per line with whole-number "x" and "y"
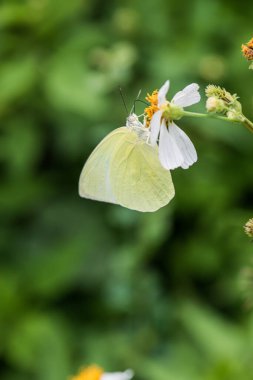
{"x": 208, "y": 115}
{"x": 246, "y": 122}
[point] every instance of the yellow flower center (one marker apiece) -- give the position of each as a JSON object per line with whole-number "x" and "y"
{"x": 150, "y": 110}
{"x": 250, "y": 43}
{"x": 90, "y": 373}
{"x": 247, "y": 50}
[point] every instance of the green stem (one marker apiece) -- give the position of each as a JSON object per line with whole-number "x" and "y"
{"x": 246, "y": 122}
{"x": 207, "y": 115}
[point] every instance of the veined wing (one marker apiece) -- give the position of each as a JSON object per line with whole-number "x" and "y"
{"x": 138, "y": 180}
{"x": 94, "y": 182}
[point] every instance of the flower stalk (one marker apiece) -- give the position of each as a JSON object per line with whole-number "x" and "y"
{"x": 244, "y": 121}
{"x": 248, "y": 124}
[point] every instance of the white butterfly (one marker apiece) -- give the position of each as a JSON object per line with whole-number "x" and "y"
{"x": 125, "y": 169}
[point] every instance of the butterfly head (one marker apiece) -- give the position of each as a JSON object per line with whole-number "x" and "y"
{"x": 132, "y": 121}
{"x": 135, "y": 125}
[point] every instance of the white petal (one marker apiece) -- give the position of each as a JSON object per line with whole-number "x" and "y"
{"x": 184, "y": 144}
{"x": 163, "y": 92}
{"x": 126, "y": 375}
{"x": 188, "y": 96}
{"x": 155, "y": 124}
{"x": 169, "y": 153}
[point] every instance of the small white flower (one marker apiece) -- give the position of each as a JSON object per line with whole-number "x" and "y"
{"x": 126, "y": 375}
{"x": 94, "y": 372}
{"x": 175, "y": 147}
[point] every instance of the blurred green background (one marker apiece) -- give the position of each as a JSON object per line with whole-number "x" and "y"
{"x": 86, "y": 282}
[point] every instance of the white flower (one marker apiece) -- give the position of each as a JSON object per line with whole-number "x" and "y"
{"x": 93, "y": 372}
{"x": 126, "y": 375}
{"x": 175, "y": 147}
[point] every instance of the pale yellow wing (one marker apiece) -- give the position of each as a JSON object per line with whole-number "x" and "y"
{"x": 138, "y": 181}
{"x": 95, "y": 182}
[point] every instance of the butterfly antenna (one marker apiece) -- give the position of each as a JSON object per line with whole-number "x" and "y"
{"x": 122, "y": 97}
{"x": 142, "y": 101}
{"x": 139, "y": 94}
{"x": 139, "y": 100}
{"x": 133, "y": 108}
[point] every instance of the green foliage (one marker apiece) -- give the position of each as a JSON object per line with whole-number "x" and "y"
{"x": 84, "y": 282}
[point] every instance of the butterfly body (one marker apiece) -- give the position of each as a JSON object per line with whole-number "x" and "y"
{"x": 124, "y": 169}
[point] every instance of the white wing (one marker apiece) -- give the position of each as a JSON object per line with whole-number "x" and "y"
{"x": 123, "y": 169}
{"x": 138, "y": 180}
{"x": 94, "y": 182}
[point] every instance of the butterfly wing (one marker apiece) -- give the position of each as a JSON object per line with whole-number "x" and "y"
{"x": 138, "y": 180}
{"x": 95, "y": 182}
{"x": 123, "y": 169}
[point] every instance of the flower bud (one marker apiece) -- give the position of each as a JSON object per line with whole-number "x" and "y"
{"x": 220, "y": 100}
{"x": 248, "y": 228}
{"x": 237, "y": 106}
{"x": 214, "y": 104}
{"x": 234, "y": 115}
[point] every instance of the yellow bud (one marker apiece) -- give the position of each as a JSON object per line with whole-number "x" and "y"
{"x": 234, "y": 115}
{"x": 214, "y": 104}
{"x": 248, "y": 228}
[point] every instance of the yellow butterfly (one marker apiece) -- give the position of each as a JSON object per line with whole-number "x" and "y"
{"x": 125, "y": 169}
